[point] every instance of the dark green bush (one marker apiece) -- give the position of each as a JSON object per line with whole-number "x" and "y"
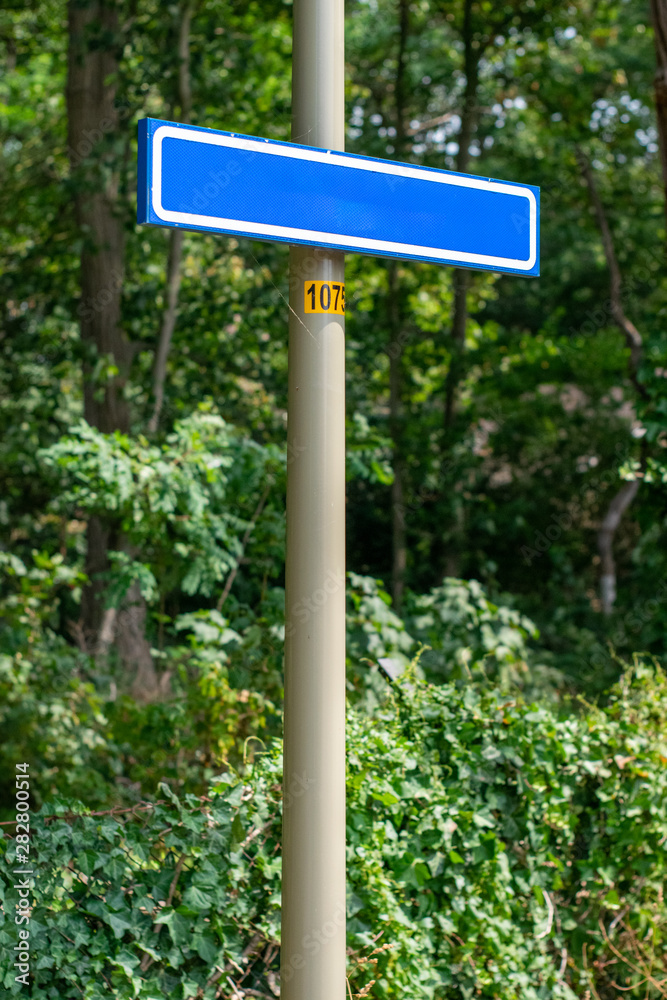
{"x": 60, "y": 710}
{"x": 87, "y": 739}
{"x": 497, "y": 850}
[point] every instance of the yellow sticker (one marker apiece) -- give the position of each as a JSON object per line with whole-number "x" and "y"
{"x": 324, "y": 297}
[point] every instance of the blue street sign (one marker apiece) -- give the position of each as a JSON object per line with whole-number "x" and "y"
{"x": 220, "y": 182}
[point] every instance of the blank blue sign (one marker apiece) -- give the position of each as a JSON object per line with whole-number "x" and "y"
{"x": 220, "y": 182}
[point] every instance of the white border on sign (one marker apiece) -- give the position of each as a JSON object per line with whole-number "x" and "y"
{"x": 312, "y": 236}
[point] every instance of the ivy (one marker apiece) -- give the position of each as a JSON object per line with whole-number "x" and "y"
{"x": 494, "y": 850}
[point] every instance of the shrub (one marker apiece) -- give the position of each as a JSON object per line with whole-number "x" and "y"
{"x": 464, "y": 635}
{"x": 49, "y": 707}
{"x": 494, "y": 850}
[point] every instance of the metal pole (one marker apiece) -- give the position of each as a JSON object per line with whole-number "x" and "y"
{"x": 313, "y": 902}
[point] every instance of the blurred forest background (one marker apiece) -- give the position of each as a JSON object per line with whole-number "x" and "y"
{"x": 507, "y": 462}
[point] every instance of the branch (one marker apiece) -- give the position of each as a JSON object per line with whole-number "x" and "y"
{"x": 177, "y": 872}
{"x": 147, "y": 960}
{"x": 114, "y": 811}
{"x": 106, "y": 633}
{"x": 431, "y": 123}
{"x": 633, "y": 338}
{"x": 606, "y": 532}
{"x": 232, "y": 576}
{"x": 248, "y": 952}
{"x": 659, "y": 984}
{"x": 550, "y": 917}
{"x": 439, "y": 120}
{"x": 632, "y": 335}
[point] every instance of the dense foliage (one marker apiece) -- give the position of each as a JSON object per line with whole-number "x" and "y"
{"x": 494, "y": 850}
{"x": 506, "y": 515}
{"x": 546, "y": 414}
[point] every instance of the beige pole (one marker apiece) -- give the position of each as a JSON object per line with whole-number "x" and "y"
{"x": 313, "y": 902}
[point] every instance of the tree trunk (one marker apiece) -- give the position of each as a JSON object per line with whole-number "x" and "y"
{"x": 659, "y": 17}
{"x": 395, "y": 350}
{"x": 458, "y": 333}
{"x": 606, "y": 533}
{"x": 632, "y": 335}
{"x": 92, "y": 120}
{"x": 633, "y": 339}
{"x": 469, "y": 112}
{"x": 184, "y": 102}
{"x": 174, "y": 257}
{"x": 92, "y": 117}
{"x": 134, "y": 650}
{"x": 92, "y": 598}
{"x": 398, "y": 532}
